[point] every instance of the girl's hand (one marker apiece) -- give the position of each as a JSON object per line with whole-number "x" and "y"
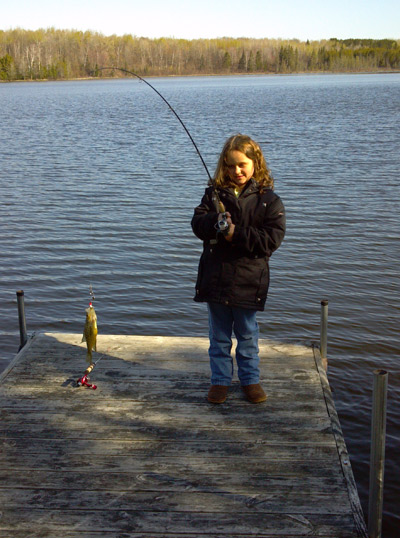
{"x": 226, "y": 215}
{"x": 231, "y": 228}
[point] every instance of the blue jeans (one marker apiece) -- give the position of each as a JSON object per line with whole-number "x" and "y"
{"x": 222, "y": 319}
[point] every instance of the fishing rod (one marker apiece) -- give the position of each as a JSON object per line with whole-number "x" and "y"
{"x": 222, "y": 224}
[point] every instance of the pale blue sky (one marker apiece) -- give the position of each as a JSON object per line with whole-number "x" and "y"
{"x": 189, "y": 19}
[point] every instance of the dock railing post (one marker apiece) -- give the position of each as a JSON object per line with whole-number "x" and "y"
{"x": 324, "y": 329}
{"x": 22, "y": 321}
{"x": 377, "y": 459}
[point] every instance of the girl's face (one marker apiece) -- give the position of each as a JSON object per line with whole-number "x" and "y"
{"x": 240, "y": 167}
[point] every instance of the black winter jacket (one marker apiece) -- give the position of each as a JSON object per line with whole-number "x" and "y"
{"x": 236, "y": 273}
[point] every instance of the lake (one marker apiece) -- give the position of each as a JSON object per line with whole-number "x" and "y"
{"x": 98, "y": 185}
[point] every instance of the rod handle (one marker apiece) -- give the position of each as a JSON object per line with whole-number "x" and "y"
{"x": 221, "y": 207}
{"x": 89, "y": 369}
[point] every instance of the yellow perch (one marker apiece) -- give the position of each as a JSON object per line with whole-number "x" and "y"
{"x": 90, "y": 333}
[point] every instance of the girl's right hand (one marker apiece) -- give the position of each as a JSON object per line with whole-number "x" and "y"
{"x": 231, "y": 227}
{"x": 226, "y": 215}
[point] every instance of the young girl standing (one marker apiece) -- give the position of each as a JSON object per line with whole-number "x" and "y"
{"x": 233, "y": 274}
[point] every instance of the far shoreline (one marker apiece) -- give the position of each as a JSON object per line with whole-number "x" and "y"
{"x": 205, "y": 75}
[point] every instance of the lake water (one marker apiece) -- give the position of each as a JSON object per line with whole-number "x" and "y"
{"x": 98, "y": 182}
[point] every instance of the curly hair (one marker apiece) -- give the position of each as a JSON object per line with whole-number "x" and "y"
{"x": 252, "y": 150}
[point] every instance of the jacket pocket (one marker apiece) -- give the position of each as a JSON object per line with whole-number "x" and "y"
{"x": 251, "y": 280}
{"x": 208, "y": 275}
{"x": 263, "y": 284}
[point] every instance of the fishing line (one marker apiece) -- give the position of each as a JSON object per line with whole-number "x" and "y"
{"x": 170, "y": 107}
{"x": 220, "y": 208}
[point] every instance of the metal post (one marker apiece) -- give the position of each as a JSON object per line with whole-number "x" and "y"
{"x": 22, "y": 321}
{"x": 377, "y": 459}
{"x": 324, "y": 329}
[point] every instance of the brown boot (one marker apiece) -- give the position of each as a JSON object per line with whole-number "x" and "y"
{"x": 217, "y": 394}
{"x": 254, "y": 393}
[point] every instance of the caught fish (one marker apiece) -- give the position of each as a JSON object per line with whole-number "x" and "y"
{"x": 90, "y": 333}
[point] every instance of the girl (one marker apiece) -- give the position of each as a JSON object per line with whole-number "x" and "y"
{"x": 233, "y": 274}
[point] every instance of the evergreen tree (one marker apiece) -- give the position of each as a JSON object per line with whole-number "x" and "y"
{"x": 6, "y": 65}
{"x": 259, "y": 62}
{"x": 242, "y": 65}
{"x": 227, "y": 61}
{"x": 250, "y": 63}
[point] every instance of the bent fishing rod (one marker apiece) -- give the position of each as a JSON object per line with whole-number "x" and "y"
{"x": 222, "y": 224}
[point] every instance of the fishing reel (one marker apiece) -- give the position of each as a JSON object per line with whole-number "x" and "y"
{"x": 84, "y": 381}
{"x": 223, "y": 225}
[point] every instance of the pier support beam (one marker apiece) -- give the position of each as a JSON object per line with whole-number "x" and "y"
{"x": 22, "y": 320}
{"x": 324, "y": 333}
{"x": 377, "y": 460}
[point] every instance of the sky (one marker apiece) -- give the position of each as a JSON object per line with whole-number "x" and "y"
{"x": 193, "y": 19}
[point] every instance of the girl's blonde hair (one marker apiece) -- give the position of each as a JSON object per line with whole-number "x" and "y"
{"x": 252, "y": 151}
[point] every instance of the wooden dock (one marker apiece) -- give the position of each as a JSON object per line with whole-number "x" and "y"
{"x": 145, "y": 455}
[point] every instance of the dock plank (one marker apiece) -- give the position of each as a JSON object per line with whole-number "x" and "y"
{"x": 146, "y": 455}
{"x": 162, "y": 523}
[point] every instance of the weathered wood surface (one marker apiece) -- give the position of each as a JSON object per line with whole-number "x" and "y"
{"x": 145, "y": 455}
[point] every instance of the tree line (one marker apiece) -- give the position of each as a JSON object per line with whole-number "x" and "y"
{"x": 66, "y": 54}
